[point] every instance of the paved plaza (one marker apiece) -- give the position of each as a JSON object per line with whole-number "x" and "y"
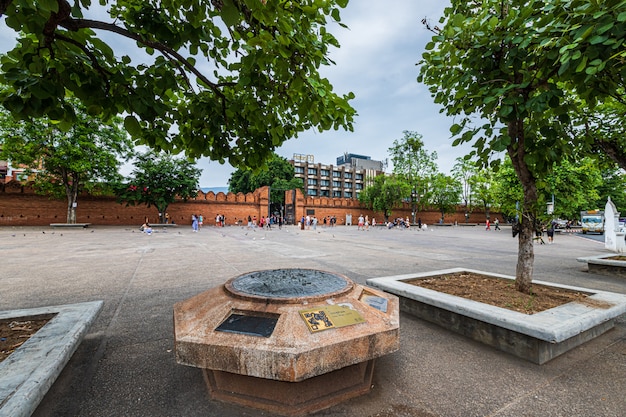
{"x": 125, "y": 366}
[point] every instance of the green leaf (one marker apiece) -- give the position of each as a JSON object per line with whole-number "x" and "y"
{"x": 583, "y": 63}
{"x": 132, "y": 126}
{"x": 230, "y": 13}
{"x": 49, "y": 5}
{"x": 455, "y": 129}
{"x": 597, "y": 39}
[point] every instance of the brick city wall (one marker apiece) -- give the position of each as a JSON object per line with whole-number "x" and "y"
{"x": 20, "y": 206}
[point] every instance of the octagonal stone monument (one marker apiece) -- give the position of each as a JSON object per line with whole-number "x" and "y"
{"x": 288, "y": 341}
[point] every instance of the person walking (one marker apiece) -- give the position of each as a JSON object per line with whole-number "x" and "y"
{"x": 487, "y": 225}
{"x": 496, "y": 224}
{"x": 551, "y": 232}
{"x": 194, "y": 222}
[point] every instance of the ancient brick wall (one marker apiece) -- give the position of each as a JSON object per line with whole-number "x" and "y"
{"x": 20, "y": 206}
{"x": 341, "y": 208}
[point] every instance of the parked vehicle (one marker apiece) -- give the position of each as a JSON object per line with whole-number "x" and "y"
{"x": 592, "y": 221}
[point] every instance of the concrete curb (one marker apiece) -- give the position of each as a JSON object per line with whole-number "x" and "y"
{"x": 28, "y": 373}
{"x": 559, "y": 325}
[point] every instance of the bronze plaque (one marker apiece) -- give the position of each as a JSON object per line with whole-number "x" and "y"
{"x": 330, "y": 317}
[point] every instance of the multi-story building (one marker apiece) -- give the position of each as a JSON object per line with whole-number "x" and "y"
{"x": 344, "y": 180}
{"x": 4, "y": 170}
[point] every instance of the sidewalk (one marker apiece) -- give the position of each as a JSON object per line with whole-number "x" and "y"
{"x": 125, "y": 365}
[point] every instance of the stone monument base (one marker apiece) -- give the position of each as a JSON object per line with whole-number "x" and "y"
{"x": 287, "y": 341}
{"x": 291, "y": 398}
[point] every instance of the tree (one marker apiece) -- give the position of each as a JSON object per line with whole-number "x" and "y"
{"x": 416, "y": 166}
{"x": 65, "y": 163}
{"x": 613, "y": 184}
{"x": 464, "y": 171}
{"x": 481, "y": 185}
{"x": 446, "y": 192}
{"x": 385, "y": 193}
{"x": 231, "y": 79}
{"x": 574, "y": 187}
{"x": 506, "y": 191}
{"x": 510, "y": 65}
{"x": 157, "y": 180}
{"x": 277, "y": 173}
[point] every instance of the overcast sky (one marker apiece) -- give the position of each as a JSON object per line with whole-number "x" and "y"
{"x": 377, "y": 62}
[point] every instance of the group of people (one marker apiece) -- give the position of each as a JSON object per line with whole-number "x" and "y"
{"x": 496, "y": 224}
{"x": 400, "y": 222}
{"x": 307, "y": 222}
{"x": 220, "y": 220}
{"x": 265, "y": 222}
{"x": 330, "y": 221}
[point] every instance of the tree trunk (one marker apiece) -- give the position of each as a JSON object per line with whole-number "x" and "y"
{"x": 162, "y": 211}
{"x": 525, "y": 254}
{"x": 71, "y": 209}
{"x": 71, "y": 191}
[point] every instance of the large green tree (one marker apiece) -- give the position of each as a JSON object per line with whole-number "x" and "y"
{"x": 229, "y": 79}
{"x": 158, "y": 180}
{"x": 465, "y": 171}
{"x": 277, "y": 173}
{"x": 573, "y": 186}
{"x": 446, "y": 194}
{"x": 412, "y": 162}
{"x": 385, "y": 194}
{"x": 613, "y": 185}
{"x": 510, "y": 65}
{"x": 64, "y": 163}
{"x": 482, "y": 191}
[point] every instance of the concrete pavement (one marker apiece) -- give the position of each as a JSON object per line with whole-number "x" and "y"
{"x": 125, "y": 365}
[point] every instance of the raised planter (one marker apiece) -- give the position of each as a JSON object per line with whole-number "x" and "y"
{"x": 602, "y": 264}
{"x": 538, "y": 338}
{"x": 28, "y": 373}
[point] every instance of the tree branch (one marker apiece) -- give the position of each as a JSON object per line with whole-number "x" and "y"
{"x": 4, "y": 4}
{"x": 89, "y": 54}
{"x": 166, "y": 50}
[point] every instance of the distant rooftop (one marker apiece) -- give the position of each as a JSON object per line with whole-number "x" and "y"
{"x": 347, "y": 158}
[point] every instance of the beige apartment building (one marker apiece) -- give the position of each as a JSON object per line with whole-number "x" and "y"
{"x": 346, "y": 179}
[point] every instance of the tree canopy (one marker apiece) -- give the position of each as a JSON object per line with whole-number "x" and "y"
{"x": 445, "y": 196}
{"x": 464, "y": 171}
{"x": 385, "y": 193}
{"x": 510, "y": 65}
{"x": 64, "y": 163}
{"x": 277, "y": 172}
{"x": 157, "y": 180}
{"x": 416, "y": 166}
{"x": 230, "y": 79}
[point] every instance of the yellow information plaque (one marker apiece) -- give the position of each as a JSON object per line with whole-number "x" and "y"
{"x": 330, "y": 317}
